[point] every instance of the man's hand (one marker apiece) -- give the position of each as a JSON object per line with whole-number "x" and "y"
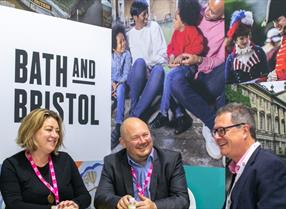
{"x": 124, "y": 202}
{"x": 190, "y": 59}
{"x": 145, "y": 203}
{"x": 67, "y": 204}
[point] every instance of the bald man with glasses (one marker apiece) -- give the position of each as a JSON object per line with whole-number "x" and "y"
{"x": 259, "y": 176}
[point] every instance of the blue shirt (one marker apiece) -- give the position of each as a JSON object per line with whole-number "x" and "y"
{"x": 141, "y": 172}
{"x": 121, "y": 64}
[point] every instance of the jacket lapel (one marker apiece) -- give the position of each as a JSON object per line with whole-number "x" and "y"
{"x": 238, "y": 188}
{"x": 154, "y": 176}
{"x": 126, "y": 175}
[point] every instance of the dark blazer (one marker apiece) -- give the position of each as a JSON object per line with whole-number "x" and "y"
{"x": 21, "y": 188}
{"x": 262, "y": 183}
{"x": 168, "y": 187}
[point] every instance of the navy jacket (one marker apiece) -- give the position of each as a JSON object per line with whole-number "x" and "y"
{"x": 262, "y": 184}
{"x": 238, "y": 76}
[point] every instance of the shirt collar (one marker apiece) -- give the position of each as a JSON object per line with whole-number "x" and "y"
{"x": 247, "y": 49}
{"x": 234, "y": 167}
{"x": 133, "y": 163}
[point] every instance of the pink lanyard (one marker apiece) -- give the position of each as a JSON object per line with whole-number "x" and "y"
{"x": 54, "y": 188}
{"x": 147, "y": 179}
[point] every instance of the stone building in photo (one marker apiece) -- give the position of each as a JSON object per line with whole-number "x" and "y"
{"x": 270, "y": 114}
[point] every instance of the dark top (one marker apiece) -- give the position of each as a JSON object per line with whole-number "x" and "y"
{"x": 262, "y": 185}
{"x": 168, "y": 187}
{"x": 259, "y": 70}
{"x": 22, "y": 189}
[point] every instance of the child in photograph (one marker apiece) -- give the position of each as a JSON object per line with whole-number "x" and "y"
{"x": 148, "y": 49}
{"x": 121, "y": 64}
{"x": 185, "y": 39}
{"x": 247, "y": 62}
{"x": 203, "y": 95}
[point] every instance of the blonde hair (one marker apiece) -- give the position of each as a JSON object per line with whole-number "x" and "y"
{"x": 34, "y": 122}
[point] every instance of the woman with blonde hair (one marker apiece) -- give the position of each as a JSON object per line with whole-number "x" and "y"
{"x": 41, "y": 176}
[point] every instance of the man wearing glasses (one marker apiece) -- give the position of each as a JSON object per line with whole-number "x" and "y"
{"x": 259, "y": 177}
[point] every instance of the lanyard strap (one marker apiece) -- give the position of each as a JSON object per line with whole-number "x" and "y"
{"x": 54, "y": 188}
{"x": 146, "y": 182}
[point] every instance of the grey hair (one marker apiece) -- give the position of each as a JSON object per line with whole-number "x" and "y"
{"x": 240, "y": 114}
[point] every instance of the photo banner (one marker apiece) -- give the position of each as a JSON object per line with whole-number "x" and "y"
{"x": 61, "y": 65}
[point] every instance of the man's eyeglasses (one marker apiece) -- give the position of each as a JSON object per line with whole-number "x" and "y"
{"x": 221, "y": 131}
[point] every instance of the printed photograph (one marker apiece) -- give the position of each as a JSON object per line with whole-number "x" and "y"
{"x": 94, "y": 12}
{"x": 255, "y": 41}
{"x": 168, "y": 69}
{"x": 268, "y": 102}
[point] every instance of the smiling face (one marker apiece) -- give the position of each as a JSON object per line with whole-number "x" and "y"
{"x": 46, "y": 138}
{"x": 242, "y": 41}
{"x": 120, "y": 43}
{"x": 280, "y": 23}
{"x": 214, "y": 10}
{"x": 141, "y": 20}
{"x": 236, "y": 140}
{"x": 137, "y": 139}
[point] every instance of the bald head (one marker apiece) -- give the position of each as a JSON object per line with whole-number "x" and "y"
{"x": 131, "y": 123}
{"x": 217, "y": 5}
{"x": 136, "y": 138}
{"x": 215, "y": 10}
